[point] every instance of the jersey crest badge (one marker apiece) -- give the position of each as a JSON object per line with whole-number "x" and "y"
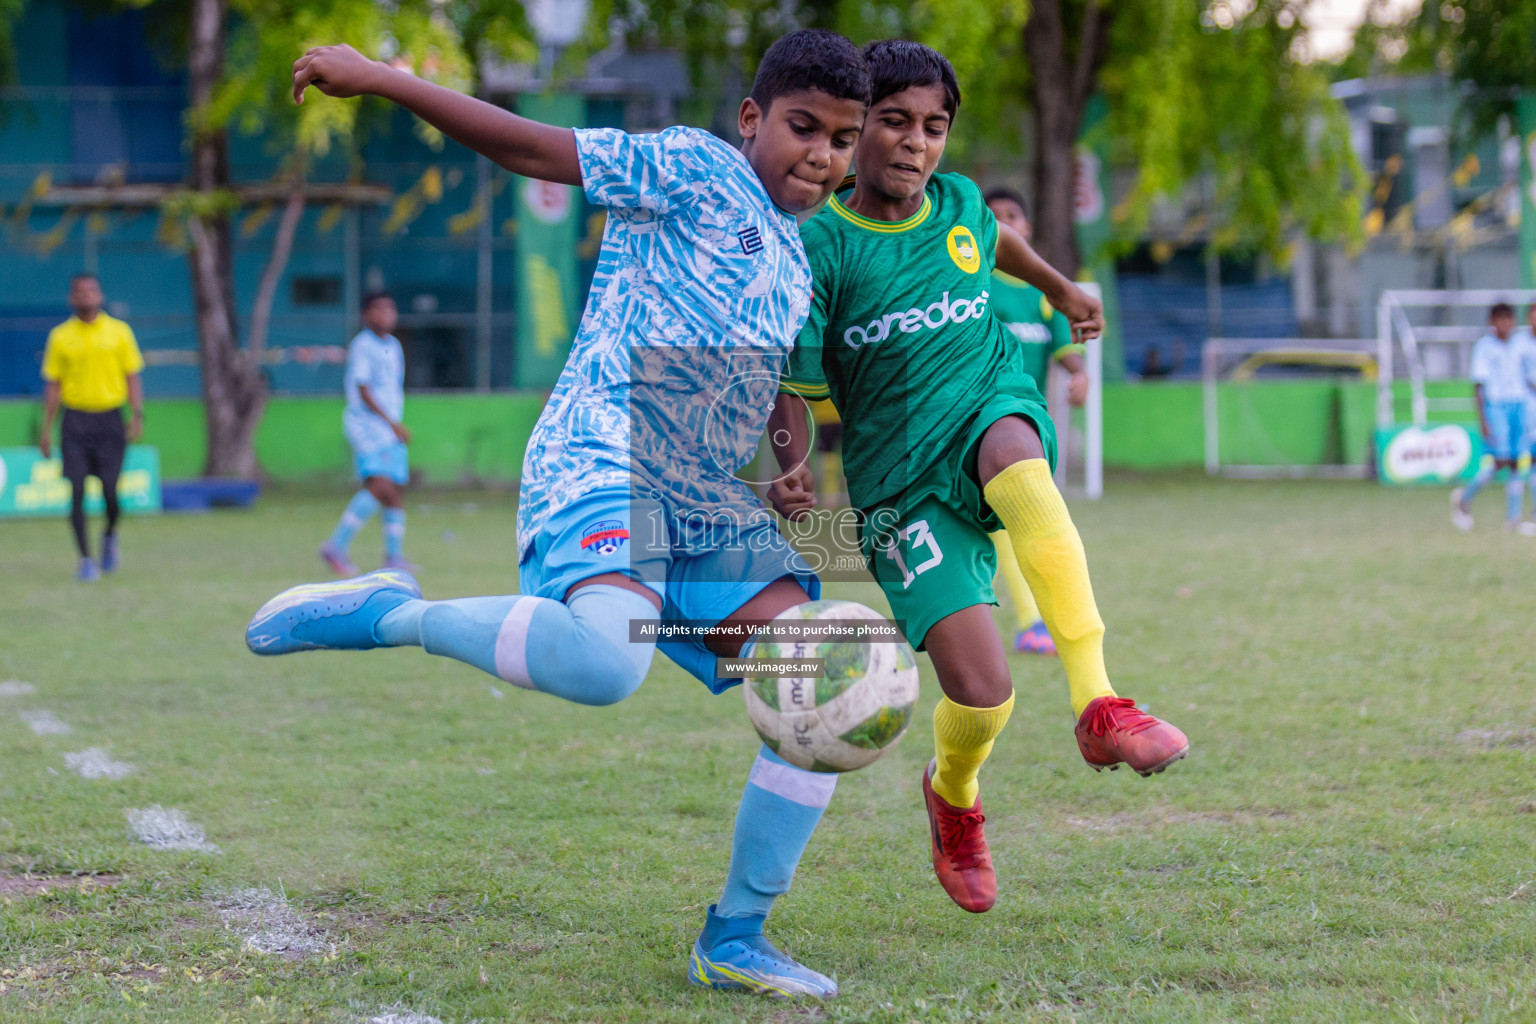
{"x": 963, "y": 249}
{"x": 604, "y": 538}
{"x": 751, "y": 240}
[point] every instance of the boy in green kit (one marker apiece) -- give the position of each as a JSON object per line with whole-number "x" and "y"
{"x": 946, "y": 439}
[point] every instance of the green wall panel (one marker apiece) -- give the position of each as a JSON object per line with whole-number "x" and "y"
{"x": 462, "y": 437}
{"x": 457, "y": 438}
{"x": 1153, "y": 426}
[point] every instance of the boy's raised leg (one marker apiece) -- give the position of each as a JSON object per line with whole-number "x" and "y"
{"x": 1032, "y": 637}
{"x": 578, "y": 649}
{"x": 1017, "y": 483}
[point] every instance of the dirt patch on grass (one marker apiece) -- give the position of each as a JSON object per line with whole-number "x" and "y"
{"x": 521, "y": 950}
{"x": 798, "y": 1015}
{"x": 1521, "y": 892}
{"x": 23, "y": 886}
{"x": 45, "y": 977}
{"x": 1168, "y": 817}
{"x": 1493, "y": 739}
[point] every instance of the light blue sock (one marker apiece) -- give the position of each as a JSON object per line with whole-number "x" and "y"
{"x": 1484, "y": 473}
{"x": 779, "y": 810}
{"x": 394, "y": 532}
{"x": 1514, "y": 497}
{"x": 579, "y": 650}
{"x": 358, "y": 511}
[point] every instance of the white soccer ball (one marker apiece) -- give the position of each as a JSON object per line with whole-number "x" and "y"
{"x": 848, "y": 717}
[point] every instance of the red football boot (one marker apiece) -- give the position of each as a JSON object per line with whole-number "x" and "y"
{"x": 960, "y": 855}
{"x": 1113, "y": 730}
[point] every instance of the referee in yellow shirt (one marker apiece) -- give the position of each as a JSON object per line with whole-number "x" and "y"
{"x": 91, "y": 367}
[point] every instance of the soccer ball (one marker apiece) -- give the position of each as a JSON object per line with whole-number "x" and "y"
{"x": 847, "y": 718}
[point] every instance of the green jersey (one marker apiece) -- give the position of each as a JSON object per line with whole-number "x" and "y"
{"x": 1042, "y": 332}
{"x": 901, "y": 335}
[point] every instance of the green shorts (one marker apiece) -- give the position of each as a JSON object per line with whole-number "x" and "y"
{"x": 929, "y": 546}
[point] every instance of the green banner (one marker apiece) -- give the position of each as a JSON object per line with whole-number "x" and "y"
{"x": 1091, "y": 211}
{"x": 1441, "y": 454}
{"x": 31, "y": 485}
{"x": 1526, "y": 109}
{"x": 547, "y": 215}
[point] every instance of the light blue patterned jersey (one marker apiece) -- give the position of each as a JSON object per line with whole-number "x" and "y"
{"x": 1496, "y": 365}
{"x": 699, "y": 292}
{"x": 379, "y": 364}
{"x": 1524, "y": 343}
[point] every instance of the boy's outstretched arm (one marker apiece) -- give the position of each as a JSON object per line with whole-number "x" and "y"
{"x": 1015, "y": 257}
{"x": 794, "y": 492}
{"x": 524, "y": 147}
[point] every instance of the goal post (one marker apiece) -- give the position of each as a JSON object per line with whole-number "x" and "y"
{"x": 1085, "y": 447}
{"x": 1250, "y": 432}
{"x": 1426, "y": 335}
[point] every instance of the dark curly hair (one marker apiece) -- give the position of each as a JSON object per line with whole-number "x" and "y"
{"x": 811, "y": 58}
{"x": 897, "y": 64}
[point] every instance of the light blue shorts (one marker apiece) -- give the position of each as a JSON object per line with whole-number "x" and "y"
{"x": 1506, "y": 429}
{"x": 611, "y": 530}
{"x": 390, "y": 462}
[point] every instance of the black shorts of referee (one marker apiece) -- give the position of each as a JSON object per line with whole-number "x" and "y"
{"x": 93, "y": 444}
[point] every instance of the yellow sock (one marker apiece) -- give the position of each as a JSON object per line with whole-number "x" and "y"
{"x": 963, "y": 738}
{"x": 1024, "y": 608}
{"x": 1051, "y": 555}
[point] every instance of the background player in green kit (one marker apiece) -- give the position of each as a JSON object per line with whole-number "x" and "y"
{"x": 946, "y": 439}
{"x": 1043, "y": 334}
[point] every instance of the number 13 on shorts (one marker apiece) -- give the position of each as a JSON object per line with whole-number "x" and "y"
{"x": 922, "y": 550}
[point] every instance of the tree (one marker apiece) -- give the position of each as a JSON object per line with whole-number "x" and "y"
{"x": 249, "y": 90}
{"x": 238, "y": 55}
{"x": 1200, "y": 91}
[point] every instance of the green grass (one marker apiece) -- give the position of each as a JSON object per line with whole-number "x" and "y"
{"x": 1351, "y": 839}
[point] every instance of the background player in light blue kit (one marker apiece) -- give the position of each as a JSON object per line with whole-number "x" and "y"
{"x": 701, "y": 288}
{"x": 1524, "y": 343}
{"x": 1502, "y": 391}
{"x": 375, "y": 385}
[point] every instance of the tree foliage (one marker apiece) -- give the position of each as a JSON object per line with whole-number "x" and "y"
{"x": 268, "y": 35}
{"x": 1488, "y": 44}
{"x": 1198, "y": 91}
{"x": 10, "y": 14}
{"x": 1195, "y": 88}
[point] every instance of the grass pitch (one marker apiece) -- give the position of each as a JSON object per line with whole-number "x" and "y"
{"x": 1353, "y": 837}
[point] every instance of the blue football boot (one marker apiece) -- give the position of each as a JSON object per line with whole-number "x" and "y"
{"x": 733, "y": 953}
{"x": 109, "y": 552}
{"x": 338, "y": 616}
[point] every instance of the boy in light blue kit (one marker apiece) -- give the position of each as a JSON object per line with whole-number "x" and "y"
{"x": 1502, "y": 392}
{"x": 700, "y": 290}
{"x": 1524, "y": 344}
{"x": 375, "y": 386}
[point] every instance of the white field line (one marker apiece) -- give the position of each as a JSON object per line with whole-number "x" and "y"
{"x": 401, "y": 1015}
{"x": 16, "y": 688}
{"x": 96, "y": 763}
{"x": 44, "y": 723}
{"x": 272, "y": 925}
{"x": 166, "y": 828}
